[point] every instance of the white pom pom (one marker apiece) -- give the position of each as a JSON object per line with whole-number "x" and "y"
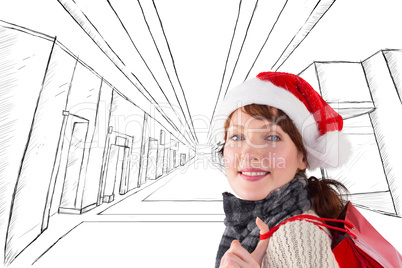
{"x": 331, "y": 150}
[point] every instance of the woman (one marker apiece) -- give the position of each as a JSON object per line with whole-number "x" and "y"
{"x": 277, "y": 126}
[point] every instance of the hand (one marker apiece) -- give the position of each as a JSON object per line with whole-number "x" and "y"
{"x": 239, "y": 257}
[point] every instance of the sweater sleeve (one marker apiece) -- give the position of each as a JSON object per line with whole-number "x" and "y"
{"x": 299, "y": 244}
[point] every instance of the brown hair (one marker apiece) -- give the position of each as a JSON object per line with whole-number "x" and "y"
{"x": 325, "y": 194}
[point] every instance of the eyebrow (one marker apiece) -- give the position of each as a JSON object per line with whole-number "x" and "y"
{"x": 241, "y": 126}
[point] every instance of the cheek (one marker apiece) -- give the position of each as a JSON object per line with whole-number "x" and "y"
{"x": 283, "y": 159}
{"x": 229, "y": 157}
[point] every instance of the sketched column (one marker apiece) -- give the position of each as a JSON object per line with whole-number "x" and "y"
{"x": 383, "y": 76}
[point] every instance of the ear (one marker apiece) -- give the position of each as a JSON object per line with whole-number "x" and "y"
{"x": 302, "y": 161}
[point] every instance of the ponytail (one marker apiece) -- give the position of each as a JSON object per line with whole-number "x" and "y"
{"x": 326, "y": 197}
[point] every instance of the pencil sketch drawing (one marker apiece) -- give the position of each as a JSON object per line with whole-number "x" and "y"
{"x": 107, "y": 150}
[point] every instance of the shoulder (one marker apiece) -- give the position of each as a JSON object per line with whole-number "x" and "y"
{"x": 301, "y": 242}
{"x": 306, "y": 226}
{"x": 303, "y": 229}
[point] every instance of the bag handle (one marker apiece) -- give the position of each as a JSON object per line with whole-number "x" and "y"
{"x": 313, "y": 219}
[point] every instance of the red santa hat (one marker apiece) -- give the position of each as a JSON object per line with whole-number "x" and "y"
{"x": 319, "y": 125}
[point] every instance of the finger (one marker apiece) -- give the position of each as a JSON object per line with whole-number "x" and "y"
{"x": 262, "y": 225}
{"x": 231, "y": 259}
{"x": 237, "y": 249}
{"x": 259, "y": 252}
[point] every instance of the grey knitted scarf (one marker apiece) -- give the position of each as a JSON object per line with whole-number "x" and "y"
{"x": 281, "y": 204}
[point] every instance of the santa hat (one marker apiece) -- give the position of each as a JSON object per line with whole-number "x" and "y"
{"x": 319, "y": 125}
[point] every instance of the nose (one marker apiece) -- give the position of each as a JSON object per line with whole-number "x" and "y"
{"x": 247, "y": 156}
{"x": 255, "y": 157}
{"x": 252, "y": 151}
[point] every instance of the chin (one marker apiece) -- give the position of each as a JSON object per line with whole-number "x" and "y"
{"x": 251, "y": 196}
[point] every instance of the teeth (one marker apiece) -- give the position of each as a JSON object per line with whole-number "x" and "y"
{"x": 255, "y": 173}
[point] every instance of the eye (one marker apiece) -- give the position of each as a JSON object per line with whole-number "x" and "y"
{"x": 236, "y": 137}
{"x": 273, "y": 138}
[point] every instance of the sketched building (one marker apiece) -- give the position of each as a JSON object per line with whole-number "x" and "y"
{"x": 368, "y": 95}
{"x": 69, "y": 139}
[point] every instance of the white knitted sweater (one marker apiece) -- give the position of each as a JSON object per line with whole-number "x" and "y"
{"x": 300, "y": 244}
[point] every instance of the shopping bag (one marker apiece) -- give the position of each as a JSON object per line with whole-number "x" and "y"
{"x": 356, "y": 243}
{"x": 368, "y": 246}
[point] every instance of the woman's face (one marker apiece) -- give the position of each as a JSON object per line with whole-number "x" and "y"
{"x": 259, "y": 156}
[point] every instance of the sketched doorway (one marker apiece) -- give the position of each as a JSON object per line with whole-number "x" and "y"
{"x": 152, "y": 159}
{"x": 71, "y": 195}
{"x": 117, "y": 171}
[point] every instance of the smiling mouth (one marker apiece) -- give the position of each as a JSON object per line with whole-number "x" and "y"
{"x": 252, "y": 174}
